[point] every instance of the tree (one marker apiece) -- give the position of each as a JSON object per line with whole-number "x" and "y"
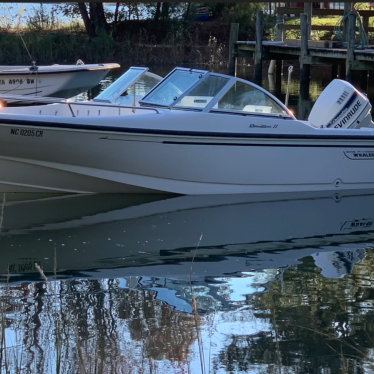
{"x": 93, "y": 15}
{"x": 94, "y": 18}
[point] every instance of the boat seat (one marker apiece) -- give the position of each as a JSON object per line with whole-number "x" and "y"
{"x": 195, "y": 101}
{"x": 128, "y": 100}
{"x": 257, "y": 109}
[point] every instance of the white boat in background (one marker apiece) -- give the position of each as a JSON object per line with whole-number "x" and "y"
{"x": 52, "y": 80}
{"x": 195, "y": 132}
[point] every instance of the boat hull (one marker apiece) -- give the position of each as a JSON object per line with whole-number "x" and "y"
{"x": 58, "y": 159}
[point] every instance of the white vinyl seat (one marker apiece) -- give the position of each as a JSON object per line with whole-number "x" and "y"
{"x": 195, "y": 101}
{"x": 257, "y": 109}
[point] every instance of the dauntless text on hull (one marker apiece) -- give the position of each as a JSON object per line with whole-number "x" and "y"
{"x": 195, "y": 132}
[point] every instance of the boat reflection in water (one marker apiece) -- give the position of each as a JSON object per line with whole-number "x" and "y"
{"x": 130, "y": 270}
{"x": 106, "y": 236}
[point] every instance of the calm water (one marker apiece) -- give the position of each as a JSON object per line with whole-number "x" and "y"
{"x": 278, "y": 283}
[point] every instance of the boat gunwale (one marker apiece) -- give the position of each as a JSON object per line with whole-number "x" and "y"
{"x": 59, "y": 69}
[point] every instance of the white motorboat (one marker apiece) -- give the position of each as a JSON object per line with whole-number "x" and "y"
{"x": 60, "y": 80}
{"x": 195, "y": 132}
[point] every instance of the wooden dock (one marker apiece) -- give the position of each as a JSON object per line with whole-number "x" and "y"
{"x": 274, "y": 50}
{"x": 345, "y": 59}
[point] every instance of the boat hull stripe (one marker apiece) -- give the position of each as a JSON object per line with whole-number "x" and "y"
{"x": 36, "y": 73}
{"x": 70, "y": 126}
{"x": 271, "y": 145}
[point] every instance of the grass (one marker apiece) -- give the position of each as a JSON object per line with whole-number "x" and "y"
{"x": 137, "y": 49}
{"x": 47, "y": 48}
{"x": 133, "y": 42}
{"x": 318, "y": 21}
{"x": 315, "y": 35}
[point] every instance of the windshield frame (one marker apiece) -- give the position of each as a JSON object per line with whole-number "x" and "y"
{"x": 147, "y": 103}
{"x": 141, "y": 72}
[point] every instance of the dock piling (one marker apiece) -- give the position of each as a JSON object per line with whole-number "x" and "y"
{"x": 234, "y": 33}
{"x": 334, "y": 71}
{"x": 371, "y": 78}
{"x": 364, "y": 77}
{"x": 342, "y": 71}
{"x": 258, "y": 48}
{"x": 350, "y": 47}
{"x": 347, "y": 9}
{"x": 308, "y": 10}
{"x": 278, "y": 28}
{"x": 278, "y": 76}
{"x": 278, "y": 63}
{"x": 304, "y": 68}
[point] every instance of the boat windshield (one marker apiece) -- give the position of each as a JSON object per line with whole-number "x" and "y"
{"x": 135, "y": 82}
{"x": 234, "y": 96}
{"x": 172, "y": 87}
{"x": 201, "y": 90}
{"x": 203, "y": 93}
{"x": 244, "y": 97}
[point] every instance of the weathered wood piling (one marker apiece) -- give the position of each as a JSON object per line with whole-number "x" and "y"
{"x": 350, "y": 35}
{"x": 234, "y": 33}
{"x": 304, "y": 66}
{"x": 258, "y": 50}
{"x": 279, "y": 62}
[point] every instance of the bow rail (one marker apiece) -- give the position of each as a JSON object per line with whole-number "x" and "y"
{"x": 57, "y": 100}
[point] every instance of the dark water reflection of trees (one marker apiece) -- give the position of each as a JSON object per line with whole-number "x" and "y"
{"x": 91, "y": 326}
{"x": 98, "y": 326}
{"x": 316, "y": 323}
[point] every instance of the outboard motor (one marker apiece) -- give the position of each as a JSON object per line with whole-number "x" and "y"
{"x": 341, "y": 106}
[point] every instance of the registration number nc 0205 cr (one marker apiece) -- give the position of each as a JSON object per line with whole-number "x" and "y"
{"x": 27, "y": 132}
